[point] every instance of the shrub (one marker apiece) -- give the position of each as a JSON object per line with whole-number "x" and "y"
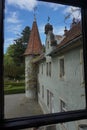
{"x": 12, "y": 87}
{"x": 6, "y": 84}
{"x": 14, "y": 90}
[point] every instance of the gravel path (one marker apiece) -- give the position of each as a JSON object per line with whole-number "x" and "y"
{"x": 17, "y": 105}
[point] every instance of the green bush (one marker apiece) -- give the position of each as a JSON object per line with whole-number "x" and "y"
{"x": 12, "y": 87}
{"x": 14, "y": 90}
{"x": 6, "y": 84}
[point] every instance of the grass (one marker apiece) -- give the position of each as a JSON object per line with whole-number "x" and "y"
{"x": 13, "y": 87}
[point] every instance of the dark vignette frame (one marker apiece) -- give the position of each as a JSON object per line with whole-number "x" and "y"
{"x": 40, "y": 120}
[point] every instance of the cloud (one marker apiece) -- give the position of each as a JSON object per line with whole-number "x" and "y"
{"x": 5, "y": 10}
{"x": 56, "y": 29}
{"x": 7, "y": 42}
{"x": 15, "y": 29}
{"x": 52, "y": 5}
{"x": 74, "y": 11}
{"x": 23, "y": 4}
{"x": 55, "y": 6}
{"x": 41, "y": 28}
{"x": 59, "y": 30}
{"x": 13, "y": 18}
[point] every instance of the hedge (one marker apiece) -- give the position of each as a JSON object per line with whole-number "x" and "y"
{"x": 6, "y": 84}
{"x": 14, "y": 90}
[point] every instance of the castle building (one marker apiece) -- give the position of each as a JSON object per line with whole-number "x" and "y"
{"x": 56, "y": 77}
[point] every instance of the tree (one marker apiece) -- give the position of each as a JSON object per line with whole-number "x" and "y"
{"x": 14, "y": 59}
{"x": 17, "y": 49}
{"x": 25, "y": 35}
{"x": 74, "y": 12}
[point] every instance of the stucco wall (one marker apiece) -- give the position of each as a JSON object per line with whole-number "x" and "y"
{"x": 70, "y": 89}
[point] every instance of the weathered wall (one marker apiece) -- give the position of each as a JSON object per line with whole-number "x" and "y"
{"x": 30, "y": 78}
{"x": 70, "y": 89}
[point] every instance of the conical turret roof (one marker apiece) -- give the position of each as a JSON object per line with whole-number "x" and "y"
{"x": 34, "y": 46}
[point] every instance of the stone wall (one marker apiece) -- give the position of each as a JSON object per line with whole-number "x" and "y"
{"x": 30, "y": 78}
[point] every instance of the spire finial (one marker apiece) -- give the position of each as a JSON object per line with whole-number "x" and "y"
{"x": 65, "y": 30}
{"x": 48, "y": 19}
{"x": 35, "y": 8}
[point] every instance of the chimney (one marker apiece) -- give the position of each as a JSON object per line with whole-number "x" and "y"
{"x": 65, "y": 30}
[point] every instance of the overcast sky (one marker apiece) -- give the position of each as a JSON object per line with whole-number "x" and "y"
{"x": 20, "y": 13}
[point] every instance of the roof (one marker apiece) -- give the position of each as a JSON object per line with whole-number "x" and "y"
{"x": 58, "y": 37}
{"x": 70, "y": 36}
{"x": 74, "y": 32}
{"x": 34, "y": 46}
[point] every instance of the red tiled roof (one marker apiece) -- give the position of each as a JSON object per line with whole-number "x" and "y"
{"x": 34, "y": 45}
{"x": 58, "y": 37}
{"x": 74, "y": 32}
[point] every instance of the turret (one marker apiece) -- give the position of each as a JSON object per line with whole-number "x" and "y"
{"x": 50, "y": 38}
{"x": 48, "y": 28}
{"x": 34, "y": 48}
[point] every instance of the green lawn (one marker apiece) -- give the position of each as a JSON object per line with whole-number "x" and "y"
{"x": 14, "y": 88}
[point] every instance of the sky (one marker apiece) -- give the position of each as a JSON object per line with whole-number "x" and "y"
{"x": 20, "y": 13}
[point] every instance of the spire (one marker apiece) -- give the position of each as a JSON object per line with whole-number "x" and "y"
{"x": 48, "y": 19}
{"x": 35, "y": 8}
{"x": 48, "y": 26}
{"x": 34, "y": 46}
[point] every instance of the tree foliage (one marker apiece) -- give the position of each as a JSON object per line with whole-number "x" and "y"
{"x": 14, "y": 59}
{"x": 25, "y": 34}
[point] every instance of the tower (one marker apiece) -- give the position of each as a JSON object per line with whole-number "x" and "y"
{"x": 50, "y": 38}
{"x": 34, "y": 48}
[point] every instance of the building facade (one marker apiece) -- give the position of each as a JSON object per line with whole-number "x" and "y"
{"x": 59, "y": 81}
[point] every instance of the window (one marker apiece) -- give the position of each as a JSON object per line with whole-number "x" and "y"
{"x": 48, "y": 98}
{"x": 62, "y": 106}
{"x": 47, "y": 69}
{"x": 82, "y": 66}
{"x": 21, "y": 123}
{"x": 38, "y": 87}
{"x": 50, "y": 101}
{"x": 42, "y": 68}
{"x": 83, "y": 127}
{"x": 42, "y": 91}
{"x": 61, "y": 65}
{"x": 63, "y": 109}
{"x": 50, "y": 69}
{"x": 48, "y": 44}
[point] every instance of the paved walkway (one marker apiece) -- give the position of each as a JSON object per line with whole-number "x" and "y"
{"x": 17, "y": 105}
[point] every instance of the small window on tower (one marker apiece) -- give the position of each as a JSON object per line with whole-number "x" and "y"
{"x": 48, "y": 44}
{"x": 50, "y": 69}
